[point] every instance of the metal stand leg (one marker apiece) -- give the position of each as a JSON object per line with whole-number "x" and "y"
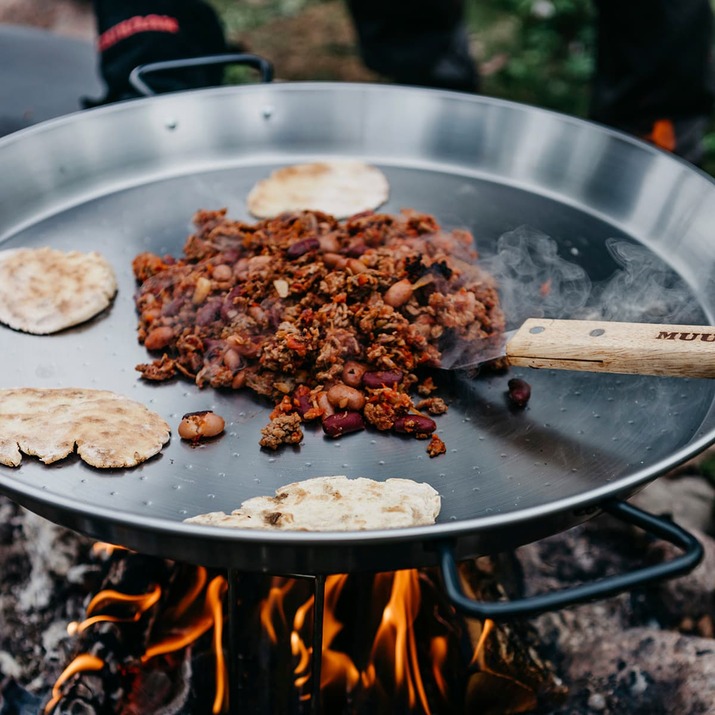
{"x": 317, "y": 656}
{"x": 234, "y": 674}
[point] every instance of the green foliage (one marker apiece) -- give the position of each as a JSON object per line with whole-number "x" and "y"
{"x": 549, "y": 51}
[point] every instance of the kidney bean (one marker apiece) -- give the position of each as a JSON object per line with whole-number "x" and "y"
{"x": 172, "y": 307}
{"x": 159, "y": 338}
{"x": 519, "y": 392}
{"x": 299, "y": 248}
{"x": 355, "y": 250}
{"x": 418, "y": 425}
{"x": 345, "y": 397}
{"x": 208, "y": 312}
{"x": 382, "y": 378}
{"x": 353, "y": 372}
{"x": 304, "y": 405}
{"x": 200, "y": 425}
{"x": 343, "y": 423}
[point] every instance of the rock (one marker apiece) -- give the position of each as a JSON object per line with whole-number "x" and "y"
{"x": 641, "y": 671}
{"x": 688, "y": 500}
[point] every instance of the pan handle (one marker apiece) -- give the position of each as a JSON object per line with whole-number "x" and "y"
{"x": 136, "y": 77}
{"x": 602, "y": 588}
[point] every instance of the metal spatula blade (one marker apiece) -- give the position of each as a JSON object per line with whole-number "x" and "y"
{"x": 602, "y": 346}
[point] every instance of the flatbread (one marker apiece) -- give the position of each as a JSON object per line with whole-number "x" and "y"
{"x": 43, "y": 290}
{"x": 338, "y": 188}
{"x": 107, "y": 430}
{"x": 334, "y": 504}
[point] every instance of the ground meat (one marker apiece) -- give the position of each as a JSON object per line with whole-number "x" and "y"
{"x": 282, "y": 429}
{"x": 436, "y": 446}
{"x": 282, "y": 306}
{"x": 433, "y": 405}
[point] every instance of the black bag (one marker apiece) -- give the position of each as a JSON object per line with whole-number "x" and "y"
{"x": 132, "y": 33}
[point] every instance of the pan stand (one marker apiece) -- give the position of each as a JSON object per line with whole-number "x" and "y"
{"x": 236, "y": 631}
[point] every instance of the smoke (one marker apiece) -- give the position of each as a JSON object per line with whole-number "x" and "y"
{"x": 535, "y": 281}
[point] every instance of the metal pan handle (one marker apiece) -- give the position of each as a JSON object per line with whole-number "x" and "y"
{"x": 602, "y": 588}
{"x": 136, "y": 77}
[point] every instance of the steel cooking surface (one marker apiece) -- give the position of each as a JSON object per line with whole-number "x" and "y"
{"x": 581, "y": 436}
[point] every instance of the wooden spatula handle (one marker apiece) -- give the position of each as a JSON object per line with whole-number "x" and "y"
{"x": 632, "y": 348}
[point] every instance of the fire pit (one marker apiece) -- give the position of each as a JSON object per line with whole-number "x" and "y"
{"x": 116, "y": 631}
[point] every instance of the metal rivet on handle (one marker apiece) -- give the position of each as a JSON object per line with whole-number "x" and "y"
{"x": 537, "y": 329}
{"x": 596, "y": 332}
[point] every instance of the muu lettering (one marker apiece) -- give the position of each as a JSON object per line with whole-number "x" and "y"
{"x": 704, "y": 337}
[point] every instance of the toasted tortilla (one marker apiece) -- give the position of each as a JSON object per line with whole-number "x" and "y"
{"x": 338, "y": 188}
{"x": 43, "y": 290}
{"x": 334, "y": 504}
{"x": 107, "y": 430}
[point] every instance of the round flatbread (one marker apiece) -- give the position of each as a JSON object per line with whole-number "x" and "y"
{"x": 334, "y": 504}
{"x": 338, "y": 188}
{"x": 43, "y": 290}
{"x": 107, "y": 430}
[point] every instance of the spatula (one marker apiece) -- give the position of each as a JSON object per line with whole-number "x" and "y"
{"x": 603, "y": 346}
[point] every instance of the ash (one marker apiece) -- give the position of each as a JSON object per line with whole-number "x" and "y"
{"x": 650, "y": 651}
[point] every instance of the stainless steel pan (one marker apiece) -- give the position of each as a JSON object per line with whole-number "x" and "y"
{"x": 127, "y": 178}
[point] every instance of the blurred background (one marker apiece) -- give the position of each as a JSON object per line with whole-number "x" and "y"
{"x": 539, "y": 52}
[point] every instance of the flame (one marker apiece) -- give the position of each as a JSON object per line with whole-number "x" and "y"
{"x": 478, "y": 656}
{"x": 103, "y": 548}
{"x": 177, "y": 627}
{"x": 393, "y": 657}
{"x": 81, "y": 663}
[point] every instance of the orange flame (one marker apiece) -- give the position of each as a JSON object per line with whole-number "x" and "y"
{"x": 180, "y": 625}
{"x": 79, "y": 664}
{"x": 393, "y": 653}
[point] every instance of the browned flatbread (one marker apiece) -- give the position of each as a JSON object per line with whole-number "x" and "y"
{"x": 106, "y": 429}
{"x": 334, "y": 504}
{"x": 338, "y": 188}
{"x": 43, "y": 290}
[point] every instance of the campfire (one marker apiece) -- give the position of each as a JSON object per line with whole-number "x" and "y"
{"x": 388, "y": 641}
{"x": 144, "y": 634}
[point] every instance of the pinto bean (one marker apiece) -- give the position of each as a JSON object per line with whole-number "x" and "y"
{"x": 382, "y": 378}
{"x": 343, "y": 423}
{"x": 321, "y": 399}
{"x": 335, "y": 260}
{"x": 239, "y": 380}
{"x": 418, "y": 425}
{"x": 353, "y": 372}
{"x": 200, "y": 425}
{"x": 232, "y": 359}
{"x": 355, "y": 266}
{"x": 329, "y": 242}
{"x": 299, "y": 248}
{"x": 345, "y": 397}
{"x": 519, "y": 392}
{"x": 222, "y": 272}
{"x": 159, "y": 338}
{"x": 398, "y": 293}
